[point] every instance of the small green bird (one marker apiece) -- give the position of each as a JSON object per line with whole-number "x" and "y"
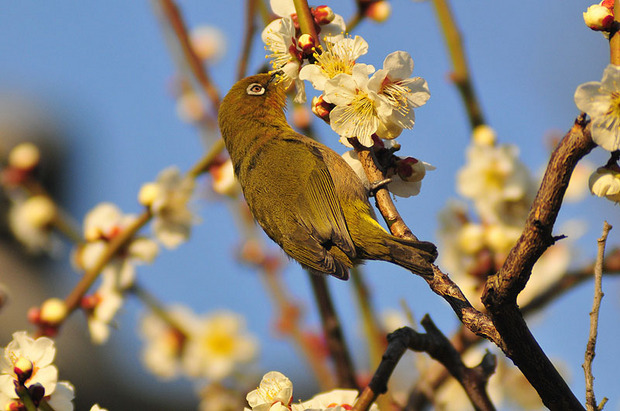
{"x": 302, "y": 193}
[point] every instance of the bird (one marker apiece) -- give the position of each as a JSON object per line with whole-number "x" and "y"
{"x": 302, "y": 193}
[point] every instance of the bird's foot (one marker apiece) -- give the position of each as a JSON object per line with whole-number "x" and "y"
{"x": 377, "y": 185}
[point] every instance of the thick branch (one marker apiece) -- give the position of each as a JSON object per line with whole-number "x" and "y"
{"x": 501, "y": 289}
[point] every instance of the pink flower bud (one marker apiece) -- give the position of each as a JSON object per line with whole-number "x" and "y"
{"x": 307, "y": 44}
{"x": 323, "y": 15}
{"x": 23, "y": 368}
{"x": 379, "y": 11}
{"x": 598, "y": 17}
{"x": 321, "y": 108}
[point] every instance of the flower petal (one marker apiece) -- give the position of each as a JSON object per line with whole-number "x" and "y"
{"x": 399, "y": 64}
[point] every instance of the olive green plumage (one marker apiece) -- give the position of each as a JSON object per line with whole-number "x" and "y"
{"x": 302, "y": 193}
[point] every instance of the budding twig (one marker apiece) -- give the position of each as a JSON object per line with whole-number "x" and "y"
{"x": 190, "y": 62}
{"x": 501, "y": 290}
{"x": 460, "y": 75}
{"x": 596, "y": 305}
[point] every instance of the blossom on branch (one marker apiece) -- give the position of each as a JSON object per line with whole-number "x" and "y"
{"x": 101, "y": 225}
{"x": 382, "y": 104}
{"x": 168, "y": 200}
{"x": 605, "y": 182}
{"x": 601, "y": 101}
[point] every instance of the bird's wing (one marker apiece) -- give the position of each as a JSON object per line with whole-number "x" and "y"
{"x": 322, "y": 212}
{"x": 322, "y": 227}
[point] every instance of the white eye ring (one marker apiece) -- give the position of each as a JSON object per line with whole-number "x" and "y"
{"x": 255, "y": 89}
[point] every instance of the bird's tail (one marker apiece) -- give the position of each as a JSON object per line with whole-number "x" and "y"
{"x": 416, "y": 256}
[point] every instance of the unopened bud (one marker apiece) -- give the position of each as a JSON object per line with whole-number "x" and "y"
{"x": 410, "y": 169}
{"x": 605, "y": 182}
{"x": 39, "y": 211}
{"x": 598, "y": 17}
{"x": 208, "y": 43}
{"x": 22, "y": 368}
{"x": 148, "y": 193}
{"x": 224, "y": 181}
{"x": 89, "y": 302}
{"x": 301, "y": 116}
{"x": 24, "y": 156}
{"x": 307, "y": 44}
{"x": 471, "y": 238}
{"x": 323, "y": 15}
{"x": 484, "y": 135}
{"x": 379, "y": 11}
{"x": 321, "y": 108}
{"x": 37, "y": 392}
{"x": 252, "y": 252}
{"x": 190, "y": 108}
{"x": 607, "y": 3}
{"x": 53, "y": 311}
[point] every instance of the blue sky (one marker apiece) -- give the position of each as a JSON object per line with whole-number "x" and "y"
{"x": 103, "y": 72}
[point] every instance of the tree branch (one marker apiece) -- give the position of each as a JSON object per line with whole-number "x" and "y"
{"x": 501, "y": 290}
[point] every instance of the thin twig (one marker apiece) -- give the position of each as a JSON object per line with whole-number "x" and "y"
{"x": 333, "y": 332}
{"x": 190, "y": 61}
{"x": 596, "y": 306}
{"x": 460, "y": 74}
{"x": 433, "y": 342}
{"x": 250, "y": 28}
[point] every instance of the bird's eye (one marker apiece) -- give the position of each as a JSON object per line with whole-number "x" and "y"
{"x": 255, "y": 89}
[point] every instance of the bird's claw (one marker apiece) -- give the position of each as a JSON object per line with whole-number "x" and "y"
{"x": 377, "y": 185}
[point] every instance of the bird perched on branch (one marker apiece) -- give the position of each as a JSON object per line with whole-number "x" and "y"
{"x": 302, "y": 193}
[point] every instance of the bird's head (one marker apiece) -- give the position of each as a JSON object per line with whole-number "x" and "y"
{"x": 262, "y": 96}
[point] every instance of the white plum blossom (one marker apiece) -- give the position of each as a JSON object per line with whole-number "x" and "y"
{"x": 280, "y": 39}
{"x": 103, "y": 306}
{"x": 335, "y": 400}
{"x": 493, "y": 177}
{"x": 335, "y": 58}
{"x": 30, "y": 221}
{"x": 399, "y": 185}
{"x": 382, "y": 104}
{"x": 404, "y": 93}
{"x": 605, "y": 182}
{"x": 218, "y": 345}
{"x": 358, "y": 109}
{"x": 164, "y": 343}
{"x": 274, "y": 388}
{"x": 168, "y": 200}
{"x": 601, "y": 101}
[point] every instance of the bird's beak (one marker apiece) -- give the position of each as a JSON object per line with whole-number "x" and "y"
{"x": 274, "y": 76}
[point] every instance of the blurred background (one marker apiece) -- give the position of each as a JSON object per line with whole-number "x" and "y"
{"x": 93, "y": 84}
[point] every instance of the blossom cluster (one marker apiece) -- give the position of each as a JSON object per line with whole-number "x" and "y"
{"x": 181, "y": 343}
{"x": 476, "y": 244}
{"x": 275, "y": 393}
{"x": 356, "y": 100}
